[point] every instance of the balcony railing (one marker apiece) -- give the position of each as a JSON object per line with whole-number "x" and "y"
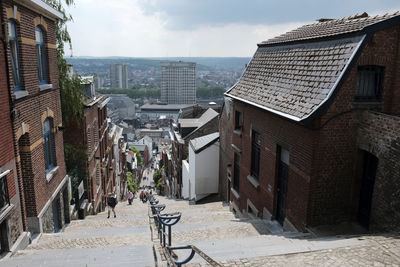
{"x": 4, "y": 197}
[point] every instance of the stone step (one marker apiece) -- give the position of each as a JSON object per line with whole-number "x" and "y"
{"x": 99, "y": 257}
{"x": 266, "y": 245}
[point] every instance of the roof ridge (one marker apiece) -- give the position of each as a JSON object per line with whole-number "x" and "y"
{"x": 330, "y": 27}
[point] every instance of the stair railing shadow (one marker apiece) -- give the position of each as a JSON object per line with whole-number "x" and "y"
{"x": 164, "y": 223}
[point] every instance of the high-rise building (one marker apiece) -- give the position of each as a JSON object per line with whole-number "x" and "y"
{"x": 178, "y": 82}
{"x": 119, "y": 76}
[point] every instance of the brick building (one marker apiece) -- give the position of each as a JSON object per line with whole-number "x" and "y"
{"x": 36, "y": 113}
{"x": 91, "y": 136}
{"x": 12, "y": 222}
{"x": 316, "y": 126}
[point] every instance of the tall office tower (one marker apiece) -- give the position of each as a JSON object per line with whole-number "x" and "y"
{"x": 119, "y": 76}
{"x": 178, "y": 82}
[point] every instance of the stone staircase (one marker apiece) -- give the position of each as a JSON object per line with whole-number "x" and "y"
{"x": 218, "y": 233}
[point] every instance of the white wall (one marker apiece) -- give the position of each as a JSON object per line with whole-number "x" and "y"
{"x": 207, "y": 164}
{"x": 185, "y": 179}
{"x": 192, "y": 173}
{"x": 203, "y": 172}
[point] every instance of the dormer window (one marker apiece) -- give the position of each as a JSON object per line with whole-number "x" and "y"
{"x": 369, "y": 83}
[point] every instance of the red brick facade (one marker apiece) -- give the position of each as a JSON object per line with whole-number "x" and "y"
{"x": 13, "y": 222}
{"x": 326, "y": 156}
{"x": 92, "y": 136}
{"x": 30, "y": 107}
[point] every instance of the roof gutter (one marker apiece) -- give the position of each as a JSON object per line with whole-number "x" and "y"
{"x": 42, "y": 8}
{"x": 265, "y": 108}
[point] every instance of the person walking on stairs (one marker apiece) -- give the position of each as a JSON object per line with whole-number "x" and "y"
{"x": 111, "y": 203}
{"x": 130, "y": 197}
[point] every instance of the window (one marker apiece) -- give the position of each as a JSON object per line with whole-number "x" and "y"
{"x": 13, "y": 43}
{"x": 41, "y": 55}
{"x": 238, "y": 120}
{"x": 236, "y": 171}
{"x": 48, "y": 145}
{"x": 255, "y": 154}
{"x": 95, "y": 133}
{"x": 89, "y": 139}
{"x": 4, "y": 196}
{"x": 369, "y": 83}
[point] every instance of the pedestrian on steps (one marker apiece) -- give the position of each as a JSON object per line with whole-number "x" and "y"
{"x": 130, "y": 197}
{"x": 111, "y": 203}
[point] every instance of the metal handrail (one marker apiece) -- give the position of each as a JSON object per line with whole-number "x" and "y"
{"x": 156, "y": 209}
{"x": 172, "y": 262}
{"x": 167, "y": 220}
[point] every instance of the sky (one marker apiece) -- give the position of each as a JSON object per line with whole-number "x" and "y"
{"x": 197, "y": 28}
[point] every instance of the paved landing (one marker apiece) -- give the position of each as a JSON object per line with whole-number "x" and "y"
{"x": 95, "y": 241}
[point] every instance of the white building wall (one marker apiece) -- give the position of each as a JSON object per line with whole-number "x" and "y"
{"x": 185, "y": 179}
{"x": 206, "y": 171}
{"x": 192, "y": 172}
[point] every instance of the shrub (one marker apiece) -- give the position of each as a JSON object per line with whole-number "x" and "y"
{"x": 133, "y": 185}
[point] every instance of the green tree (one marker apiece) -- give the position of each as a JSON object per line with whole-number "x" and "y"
{"x": 138, "y": 155}
{"x": 70, "y": 87}
{"x": 157, "y": 176}
{"x": 132, "y": 183}
{"x": 70, "y": 94}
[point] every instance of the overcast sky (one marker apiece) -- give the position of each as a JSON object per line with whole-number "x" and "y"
{"x": 198, "y": 28}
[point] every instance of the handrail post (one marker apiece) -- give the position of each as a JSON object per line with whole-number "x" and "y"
{"x": 163, "y": 235}
{"x": 169, "y": 235}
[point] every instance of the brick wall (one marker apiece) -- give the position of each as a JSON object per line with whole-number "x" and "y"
{"x": 29, "y": 110}
{"x": 336, "y": 176}
{"x": 379, "y": 134}
{"x": 6, "y": 138}
{"x": 274, "y": 131}
{"x": 17, "y": 219}
{"x": 225, "y": 150}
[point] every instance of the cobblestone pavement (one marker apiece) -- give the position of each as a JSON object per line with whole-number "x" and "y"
{"x": 211, "y": 225}
{"x": 94, "y": 241}
{"x": 380, "y": 251}
{"x": 126, "y": 241}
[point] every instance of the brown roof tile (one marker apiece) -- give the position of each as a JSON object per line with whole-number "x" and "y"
{"x": 294, "y": 79}
{"x": 329, "y": 28}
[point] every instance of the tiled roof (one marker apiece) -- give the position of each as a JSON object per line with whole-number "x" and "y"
{"x": 330, "y": 28}
{"x": 293, "y": 79}
{"x": 200, "y": 143}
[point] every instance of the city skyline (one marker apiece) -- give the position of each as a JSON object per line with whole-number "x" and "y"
{"x": 196, "y": 28}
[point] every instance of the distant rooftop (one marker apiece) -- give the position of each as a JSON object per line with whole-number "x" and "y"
{"x": 198, "y": 122}
{"x": 165, "y": 107}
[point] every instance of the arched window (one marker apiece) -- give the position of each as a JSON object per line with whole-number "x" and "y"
{"x": 41, "y": 55}
{"x": 48, "y": 145}
{"x": 13, "y": 37}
